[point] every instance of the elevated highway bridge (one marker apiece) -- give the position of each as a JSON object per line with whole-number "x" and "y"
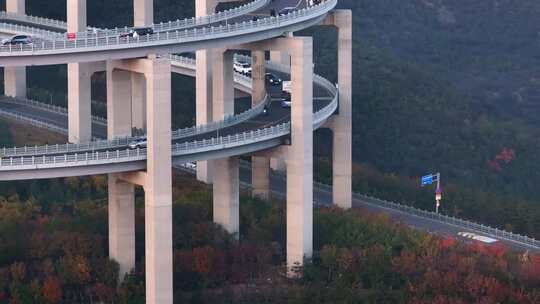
{"x": 138, "y": 72}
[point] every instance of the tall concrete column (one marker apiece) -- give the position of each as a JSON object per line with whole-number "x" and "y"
{"x": 15, "y": 77}
{"x": 203, "y": 86}
{"x": 121, "y": 194}
{"x": 226, "y": 171}
{"x": 79, "y": 81}
{"x": 300, "y": 159}
{"x": 158, "y": 189}
{"x": 260, "y": 166}
{"x": 342, "y": 123}
{"x": 143, "y": 12}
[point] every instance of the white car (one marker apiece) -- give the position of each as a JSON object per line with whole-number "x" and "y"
{"x": 242, "y": 68}
{"x": 138, "y": 143}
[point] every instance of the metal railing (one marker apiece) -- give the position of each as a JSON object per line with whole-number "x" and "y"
{"x": 122, "y": 142}
{"x": 158, "y": 27}
{"x": 171, "y": 37}
{"x": 441, "y": 218}
{"x": 23, "y": 29}
{"x": 127, "y": 155}
{"x": 33, "y": 122}
{"x": 50, "y": 108}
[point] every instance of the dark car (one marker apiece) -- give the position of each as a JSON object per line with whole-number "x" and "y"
{"x": 17, "y": 40}
{"x": 273, "y": 79}
{"x": 138, "y": 31}
{"x": 286, "y": 11}
{"x": 286, "y": 101}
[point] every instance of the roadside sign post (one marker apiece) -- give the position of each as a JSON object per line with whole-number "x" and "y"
{"x": 428, "y": 180}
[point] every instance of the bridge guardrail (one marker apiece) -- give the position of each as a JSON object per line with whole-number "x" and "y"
{"x": 196, "y": 34}
{"x": 162, "y": 26}
{"x": 104, "y": 144}
{"x": 176, "y": 134}
{"x": 51, "y": 108}
{"x": 126, "y": 155}
{"x": 33, "y": 122}
{"x": 495, "y": 232}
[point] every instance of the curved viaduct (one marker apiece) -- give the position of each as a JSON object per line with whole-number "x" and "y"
{"x": 138, "y": 71}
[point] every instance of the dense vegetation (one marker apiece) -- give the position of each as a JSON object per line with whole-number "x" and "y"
{"x": 53, "y": 249}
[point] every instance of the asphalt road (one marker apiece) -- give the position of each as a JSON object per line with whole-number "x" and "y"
{"x": 324, "y": 198}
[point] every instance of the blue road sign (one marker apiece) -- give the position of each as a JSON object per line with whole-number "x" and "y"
{"x": 427, "y": 179}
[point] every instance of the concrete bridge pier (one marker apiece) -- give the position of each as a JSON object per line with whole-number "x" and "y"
{"x": 300, "y": 156}
{"x": 260, "y": 165}
{"x": 121, "y": 193}
{"x": 143, "y": 12}
{"x": 79, "y": 81}
{"x": 341, "y": 124}
{"x": 226, "y": 179}
{"x": 156, "y": 180}
{"x": 203, "y": 84}
{"x": 15, "y": 77}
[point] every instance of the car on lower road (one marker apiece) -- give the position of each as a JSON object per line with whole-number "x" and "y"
{"x": 18, "y": 40}
{"x": 138, "y": 143}
{"x": 286, "y": 100}
{"x": 273, "y": 79}
{"x": 286, "y": 10}
{"x": 137, "y": 32}
{"x": 243, "y": 68}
